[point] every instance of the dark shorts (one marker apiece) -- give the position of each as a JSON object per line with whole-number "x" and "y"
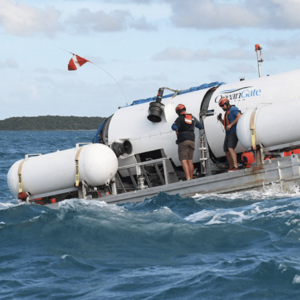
{"x": 231, "y": 141}
{"x": 186, "y": 150}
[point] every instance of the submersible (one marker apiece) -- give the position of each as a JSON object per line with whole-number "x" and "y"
{"x": 134, "y": 153}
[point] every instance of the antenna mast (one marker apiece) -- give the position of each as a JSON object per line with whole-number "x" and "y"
{"x": 258, "y": 49}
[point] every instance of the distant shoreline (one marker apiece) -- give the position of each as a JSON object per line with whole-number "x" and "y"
{"x": 50, "y": 130}
{"x": 51, "y": 123}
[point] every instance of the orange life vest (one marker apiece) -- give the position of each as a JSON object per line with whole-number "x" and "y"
{"x": 188, "y": 118}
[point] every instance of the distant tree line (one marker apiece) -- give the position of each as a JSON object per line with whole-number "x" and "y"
{"x": 44, "y": 123}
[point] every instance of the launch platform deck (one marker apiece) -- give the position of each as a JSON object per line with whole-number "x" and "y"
{"x": 284, "y": 171}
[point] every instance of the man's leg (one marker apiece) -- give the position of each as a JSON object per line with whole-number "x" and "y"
{"x": 186, "y": 169}
{"x": 226, "y": 150}
{"x": 191, "y": 168}
{"x": 230, "y": 161}
{"x": 233, "y": 157}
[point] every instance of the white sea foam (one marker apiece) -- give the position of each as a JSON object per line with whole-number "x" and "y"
{"x": 238, "y": 215}
{"x": 7, "y": 205}
{"x": 218, "y": 216}
{"x": 34, "y": 218}
{"x": 296, "y": 279}
{"x": 95, "y": 206}
{"x": 282, "y": 267}
{"x": 164, "y": 209}
{"x": 292, "y": 222}
{"x": 65, "y": 256}
{"x": 204, "y": 214}
{"x": 272, "y": 191}
{"x": 74, "y": 203}
{"x": 78, "y": 203}
{"x": 254, "y": 211}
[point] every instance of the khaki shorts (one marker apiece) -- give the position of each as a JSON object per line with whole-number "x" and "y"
{"x": 186, "y": 150}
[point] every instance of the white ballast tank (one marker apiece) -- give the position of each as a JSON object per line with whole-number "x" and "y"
{"x": 41, "y": 174}
{"x": 275, "y": 124}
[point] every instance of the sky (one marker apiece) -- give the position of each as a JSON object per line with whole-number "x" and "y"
{"x": 136, "y": 46}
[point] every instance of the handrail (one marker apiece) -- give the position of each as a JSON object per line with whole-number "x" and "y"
{"x": 149, "y": 162}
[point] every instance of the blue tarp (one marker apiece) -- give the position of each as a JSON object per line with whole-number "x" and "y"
{"x": 96, "y": 138}
{"x": 192, "y": 89}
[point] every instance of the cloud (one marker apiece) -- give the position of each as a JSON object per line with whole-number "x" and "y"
{"x": 8, "y": 64}
{"x": 283, "y": 48}
{"x": 85, "y": 21}
{"x": 282, "y": 14}
{"x": 211, "y": 14}
{"x": 172, "y": 54}
{"x": 177, "y": 54}
{"x": 142, "y": 24}
{"x": 21, "y": 19}
{"x": 215, "y": 14}
{"x": 229, "y": 38}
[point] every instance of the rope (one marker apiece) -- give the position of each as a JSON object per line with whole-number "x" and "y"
{"x": 20, "y": 179}
{"x": 252, "y": 129}
{"x": 77, "y": 175}
{"x": 176, "y": 92}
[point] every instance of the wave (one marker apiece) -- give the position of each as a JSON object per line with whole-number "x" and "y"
{"x": 163, "y": 223}
{"x": 238, "y": 245}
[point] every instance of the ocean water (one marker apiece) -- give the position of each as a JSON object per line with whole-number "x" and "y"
{"x": 242, "y": 245}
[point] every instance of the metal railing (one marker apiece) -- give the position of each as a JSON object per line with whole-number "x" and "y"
{"x": 140, "y": 173}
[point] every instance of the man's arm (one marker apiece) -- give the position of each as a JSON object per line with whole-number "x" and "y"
{"x": 176, "y": 124}
{"x": 220, "y": 118}
{"x": 174, "y": 127}
{"x": 234, "y": 122}
{"x": 198, "y": 124}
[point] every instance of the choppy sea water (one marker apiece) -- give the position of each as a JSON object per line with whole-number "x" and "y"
{"x": 242, "y": 245}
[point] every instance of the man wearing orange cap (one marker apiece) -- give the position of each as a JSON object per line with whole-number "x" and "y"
{"x": 231, "y": 117}
{"x": 184, "y": 126}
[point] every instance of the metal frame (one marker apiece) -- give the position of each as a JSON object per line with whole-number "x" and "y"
{"x": 139, "y": 169}
{"x": 50, "y": 194}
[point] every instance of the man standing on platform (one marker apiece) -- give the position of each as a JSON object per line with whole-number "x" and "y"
{"x": 184, "y": 126}
{"x": 231, "y": 117}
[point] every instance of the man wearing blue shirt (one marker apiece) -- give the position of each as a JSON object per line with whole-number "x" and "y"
{"x": 231, "y": 117}
{"x": 184, "y": 126}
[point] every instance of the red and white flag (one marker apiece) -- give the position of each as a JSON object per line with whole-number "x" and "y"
{"x": 76, "y": 62}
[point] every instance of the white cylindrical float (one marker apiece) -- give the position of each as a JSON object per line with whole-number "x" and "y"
{"x": 97, "y": 165}
{"x": 274, "y": 124}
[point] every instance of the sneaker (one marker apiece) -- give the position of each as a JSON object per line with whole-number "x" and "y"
{"x": 233, "y": 169}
